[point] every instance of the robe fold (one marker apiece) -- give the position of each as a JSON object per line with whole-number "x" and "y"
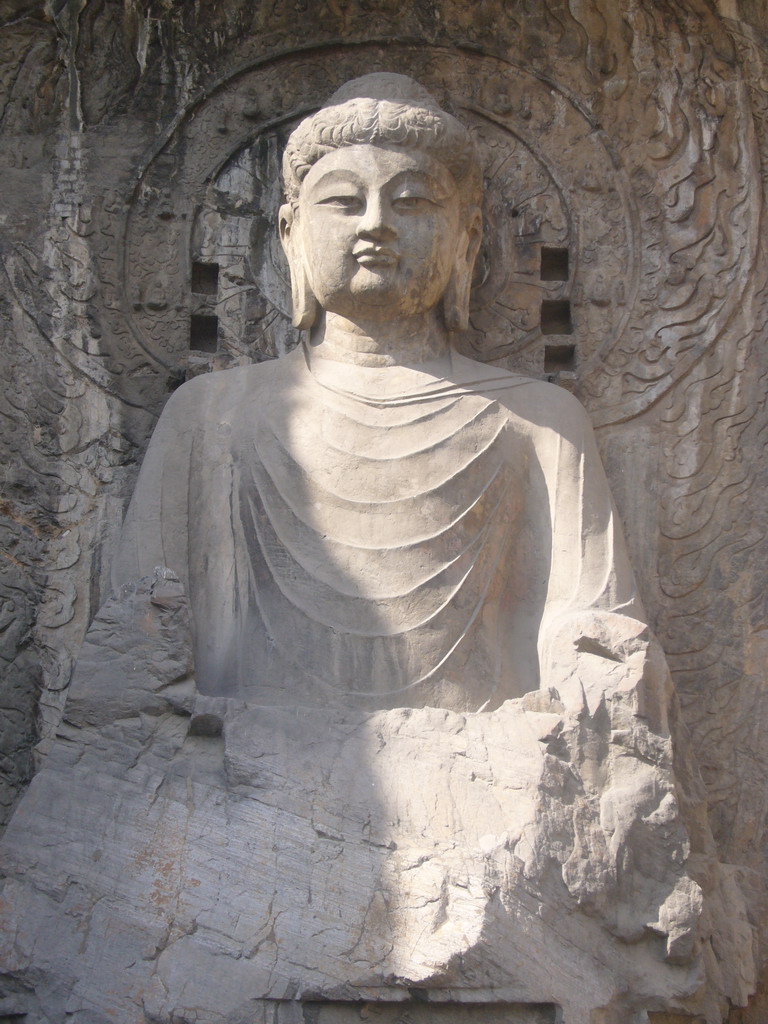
{"x": 376, "y": 537}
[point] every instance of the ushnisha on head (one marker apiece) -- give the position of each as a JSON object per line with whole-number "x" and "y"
{"x": 383, "y": 192}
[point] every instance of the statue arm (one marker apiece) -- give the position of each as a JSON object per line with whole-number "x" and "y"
{"x": 156, "y": 526}
{"x": 593, "y": 636}
{"x": 589, "y": 568}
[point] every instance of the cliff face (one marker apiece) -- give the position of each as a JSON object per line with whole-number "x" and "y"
{"x": 625, "y": 149}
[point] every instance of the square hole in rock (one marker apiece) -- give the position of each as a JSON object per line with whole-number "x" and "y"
{"x": 554, "y": 263}
{"x": 558, "y": 358}
{"x": 203, "y": 333}
{"x": 556, "y": 317}
{"x": 205, "y": 278}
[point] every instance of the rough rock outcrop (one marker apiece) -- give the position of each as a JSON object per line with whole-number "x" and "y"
{"x": 192, "y": 858}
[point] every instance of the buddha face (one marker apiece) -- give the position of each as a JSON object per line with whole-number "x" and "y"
{"x": 378, "y": 231}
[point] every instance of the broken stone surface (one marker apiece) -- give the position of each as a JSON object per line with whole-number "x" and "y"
{"x": 183, "y": 857}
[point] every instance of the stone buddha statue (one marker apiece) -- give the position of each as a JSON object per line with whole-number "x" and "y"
{"x": 378, "y": 538}
{"x": 376, "y": 520}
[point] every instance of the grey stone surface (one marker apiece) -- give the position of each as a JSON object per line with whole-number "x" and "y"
{"x": 654, "y": 183}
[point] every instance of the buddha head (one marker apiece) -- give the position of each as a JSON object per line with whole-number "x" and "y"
{"x": 382, "y": 219}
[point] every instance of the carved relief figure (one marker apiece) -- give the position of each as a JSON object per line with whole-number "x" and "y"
{"x": 376, "y": 520}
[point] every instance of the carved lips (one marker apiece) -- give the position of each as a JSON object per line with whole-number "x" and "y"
{"x": 372, "y": 256}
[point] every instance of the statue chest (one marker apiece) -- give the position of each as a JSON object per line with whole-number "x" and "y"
{"x": 378, "y": 502}
{"x": 369, "y": 547}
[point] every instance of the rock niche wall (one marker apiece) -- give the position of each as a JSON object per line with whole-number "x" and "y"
{"x": 625, "y": 149}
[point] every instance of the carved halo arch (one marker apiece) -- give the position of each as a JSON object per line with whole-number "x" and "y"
{"x": 563, "y": 282}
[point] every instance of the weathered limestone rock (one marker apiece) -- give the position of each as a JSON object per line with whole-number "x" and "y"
{"x": 187, "y": 858}
{"x": 139, "y": 152}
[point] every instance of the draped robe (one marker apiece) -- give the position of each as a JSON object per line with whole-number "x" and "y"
{"x": 376, "y": 537}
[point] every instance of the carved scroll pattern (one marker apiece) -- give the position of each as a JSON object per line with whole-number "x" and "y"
{"x": 705, "y": 113}
{"x": 74, "y": 446}
{"x": 715, "y": 544}
{"x": 65, "y": 434}
{"x": 30, "y": 92}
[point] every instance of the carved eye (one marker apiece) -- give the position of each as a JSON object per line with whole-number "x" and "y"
{"x": 415, "y": 203}
{"x": 347, "y": 203}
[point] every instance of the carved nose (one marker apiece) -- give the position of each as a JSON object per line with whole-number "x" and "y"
{"x": 374, "y": 223}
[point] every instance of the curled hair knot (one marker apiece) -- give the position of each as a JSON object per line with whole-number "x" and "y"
{"x": 382, "y": 109}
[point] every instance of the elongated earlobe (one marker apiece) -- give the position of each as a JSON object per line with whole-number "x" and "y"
{"x": 456, "y": 300}
{"x": 305, "y": 305}
{"x": 456, "y": 297}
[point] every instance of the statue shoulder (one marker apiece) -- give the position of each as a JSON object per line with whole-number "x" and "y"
{"x": 547, "y": 405}
{"x": 537, "y": 403}
{"x": 211, "y": 394}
